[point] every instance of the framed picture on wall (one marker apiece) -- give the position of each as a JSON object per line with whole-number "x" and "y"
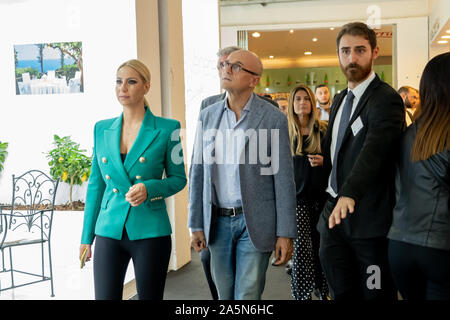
{"x": 49, "y": 68}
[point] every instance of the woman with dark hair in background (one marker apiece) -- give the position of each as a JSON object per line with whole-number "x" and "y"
{"x": 305, "y": 133}
{"x": 419, "y": 246}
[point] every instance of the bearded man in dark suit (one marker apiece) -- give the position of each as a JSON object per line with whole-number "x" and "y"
{"x": 365, "y": 125}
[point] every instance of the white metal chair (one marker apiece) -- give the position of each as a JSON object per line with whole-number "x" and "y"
{"x": 28, "y": 222}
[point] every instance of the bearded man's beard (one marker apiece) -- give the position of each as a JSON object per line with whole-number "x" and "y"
{"x": 355, "y": 72}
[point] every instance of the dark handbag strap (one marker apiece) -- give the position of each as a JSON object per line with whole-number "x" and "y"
{"x": 433, "y": 172}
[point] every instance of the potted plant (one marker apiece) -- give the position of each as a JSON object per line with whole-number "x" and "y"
{"x": 3, "y": 154}
{"x": 68, "y": 163}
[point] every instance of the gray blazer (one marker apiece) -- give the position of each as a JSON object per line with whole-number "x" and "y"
{"x": 218, "y": 97}
{"x": 267, "y": 187}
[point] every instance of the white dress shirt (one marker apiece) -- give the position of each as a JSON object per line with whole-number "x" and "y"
{"x": 358, "y": 93}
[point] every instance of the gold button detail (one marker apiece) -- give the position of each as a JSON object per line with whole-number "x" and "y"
{"x": 107, "y": 177}
{"x": 138, "y": 177}
{"x": 115, "y": 190}
{"x": 141, "y": 159}
{"x": 104, "y": 160}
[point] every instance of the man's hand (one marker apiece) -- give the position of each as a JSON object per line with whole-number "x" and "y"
{"x": 344, "y": 205}
{"x": 283, "y": 250}
{"x": 198, "y": 241}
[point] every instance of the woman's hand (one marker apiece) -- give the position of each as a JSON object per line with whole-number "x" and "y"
{"x": 316, "y": 160}
{"x": 88, "y": 247}
{"x": 136, "y": 195}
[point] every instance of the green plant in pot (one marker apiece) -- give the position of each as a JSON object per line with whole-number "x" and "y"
{"x": 69, "y": 163}
{"x": 3, "y": 154}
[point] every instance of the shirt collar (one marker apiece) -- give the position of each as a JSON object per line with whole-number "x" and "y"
{"x": 360, "y": 88}
{"x": 247, "y": 105}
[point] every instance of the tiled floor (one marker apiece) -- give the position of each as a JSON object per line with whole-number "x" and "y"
{"x": 189, "y": 283}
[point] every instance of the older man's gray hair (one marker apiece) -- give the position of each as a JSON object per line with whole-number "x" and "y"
{"x": 227, "y": 51}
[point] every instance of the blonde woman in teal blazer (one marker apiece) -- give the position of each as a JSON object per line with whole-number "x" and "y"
{"x": 137, "y": 163}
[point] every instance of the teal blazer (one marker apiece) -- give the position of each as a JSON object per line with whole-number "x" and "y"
{"x": 156, "y": 150}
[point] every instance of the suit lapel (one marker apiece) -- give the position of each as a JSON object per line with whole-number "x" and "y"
{"x": 362, "y": 103}
{"x": 334, "y": 109}
{"x": 255, "y": 116}
{"x": 112, "y": 140}
{"x": 147, "y": 133}
{"x": 336, "y": 105}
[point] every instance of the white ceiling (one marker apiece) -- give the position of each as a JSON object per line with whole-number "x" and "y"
{"x": 288, "y": 48}
{"x": 225, "y": 3}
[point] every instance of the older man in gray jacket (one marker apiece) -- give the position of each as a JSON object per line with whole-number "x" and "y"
{"x": 241, "y": 190}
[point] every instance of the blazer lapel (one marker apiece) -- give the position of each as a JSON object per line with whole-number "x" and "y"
{"x": 147, "y": 133}
{"x": 255, "y": 116}
{"x": 361, "y": 105}
{"x": 363, "y": 101}
{"x": 112, "y": 140}
{"x": 336, "y": 105}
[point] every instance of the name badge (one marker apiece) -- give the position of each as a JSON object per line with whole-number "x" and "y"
{"x": 356, "y": 126}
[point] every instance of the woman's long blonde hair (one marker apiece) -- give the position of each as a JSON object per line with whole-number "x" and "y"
{"x": 140, "y": 68}
{"x": 314, "y": 124}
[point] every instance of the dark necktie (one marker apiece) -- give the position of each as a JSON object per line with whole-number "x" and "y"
{"x": 343, "y": 124}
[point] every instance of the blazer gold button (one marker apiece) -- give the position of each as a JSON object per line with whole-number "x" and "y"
{"x": 141, "y": 159}
{"x": 138, "y": 177}
{"x": 107, "y": 177}
{"x": 104, "y": 160}
{"x": 115, "y": 190}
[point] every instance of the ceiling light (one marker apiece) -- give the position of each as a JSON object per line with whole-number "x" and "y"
{"x": 445, "y": 37}
{"x": 256, "y": 35}
{"x": 331, "y": 28}
{"x": 291, "y": 31}
{"x": 314, "y": 39}
{"x": 443, "y": 41}
{"x": 271, "y": 57}
{"x": 308, "y": 53}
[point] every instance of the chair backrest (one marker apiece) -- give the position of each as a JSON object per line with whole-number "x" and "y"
{"x": 50, "y": 74}
{"x": 26, "y": 77}
{"x": 33, "y": 201}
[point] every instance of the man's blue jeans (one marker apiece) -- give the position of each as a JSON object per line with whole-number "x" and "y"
{"x": 238, "y": 269}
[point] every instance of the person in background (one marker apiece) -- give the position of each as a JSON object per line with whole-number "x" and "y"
{"x": 282, "y": 104}
{"x": 306, "y": 132}
{"x": 323, "y": 102}
{"x": 205, "y": 256}
{"x": 223, "y": 55}
{"x": 419, "y": 245}
{"x": 411, "y": 101}
{"x": 125, "y": 210}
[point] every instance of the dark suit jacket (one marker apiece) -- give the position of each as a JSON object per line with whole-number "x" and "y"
{"x": 218, "y": 97}
{"x": 366, "y": 162}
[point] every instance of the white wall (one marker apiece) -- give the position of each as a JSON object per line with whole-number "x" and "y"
{"x": 440, "y": 14}
{"x": 201, "y": 43}
{"x": 323, "y": 11}
{"x": 412, "y": 51}
{"x": 28, "y": 123}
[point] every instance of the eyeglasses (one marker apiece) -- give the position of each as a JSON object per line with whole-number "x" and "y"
{"x": 235, "y": 68}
